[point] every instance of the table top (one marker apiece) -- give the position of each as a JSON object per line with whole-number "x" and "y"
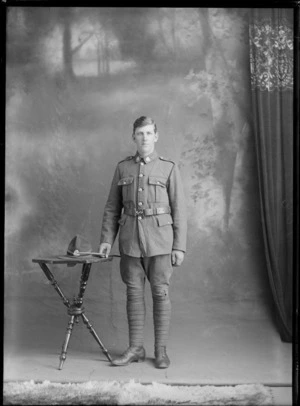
{"x": 65, "y": 259}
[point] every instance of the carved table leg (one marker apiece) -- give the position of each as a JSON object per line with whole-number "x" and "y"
{"x": 50, "y": 277}
{"x": 94, "y": 334}
{"x": 83, "y": 282}
{"x": 63, "y": 354}
{"x": 74, "y": 310}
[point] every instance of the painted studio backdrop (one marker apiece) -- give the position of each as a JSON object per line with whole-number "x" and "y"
{"x": 77, "y": 78}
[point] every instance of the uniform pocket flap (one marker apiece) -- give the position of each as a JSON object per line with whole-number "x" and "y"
{"x": 125, "y": 181}
{"x": 122, "y": 219}
{"x": 164, "y": 219}
{"x": 157, "y": 181}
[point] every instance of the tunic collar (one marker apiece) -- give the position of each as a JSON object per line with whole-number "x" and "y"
{"x": 146, "y": 159}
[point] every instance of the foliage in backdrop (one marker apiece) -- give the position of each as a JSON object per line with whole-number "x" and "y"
{"x": 77, "y": 78}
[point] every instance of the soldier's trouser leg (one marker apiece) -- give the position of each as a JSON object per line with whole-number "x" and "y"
{"x": 159, "y": 270}
{"x": 133, "y": 276}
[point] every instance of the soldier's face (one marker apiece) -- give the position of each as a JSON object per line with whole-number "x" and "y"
{"x": 145, "y": 138}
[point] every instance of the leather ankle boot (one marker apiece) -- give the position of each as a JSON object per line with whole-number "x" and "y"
{"x": 161, "y": 358}
{"x": 132, "y": 354}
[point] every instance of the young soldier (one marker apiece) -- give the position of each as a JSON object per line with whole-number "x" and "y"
{"x": 146, "y": 201}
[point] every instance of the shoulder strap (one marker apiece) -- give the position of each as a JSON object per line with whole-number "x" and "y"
{"x": 166, "y": 159}
{"x": 126, "y": 159}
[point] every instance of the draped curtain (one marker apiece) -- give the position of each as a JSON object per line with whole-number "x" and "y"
{"x": 271, "y": 64}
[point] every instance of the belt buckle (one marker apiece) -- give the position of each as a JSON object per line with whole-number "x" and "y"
{"x": 139, "y": 213}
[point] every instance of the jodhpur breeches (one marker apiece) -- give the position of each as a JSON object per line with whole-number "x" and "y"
{"x": 158, "y": 271}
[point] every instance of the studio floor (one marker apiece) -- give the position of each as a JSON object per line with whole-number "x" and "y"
{"x": 217, "y": 348}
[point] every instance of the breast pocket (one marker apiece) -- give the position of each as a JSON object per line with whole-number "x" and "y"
{"x": 158, "y": 189}
{"x": 127, "y": 188}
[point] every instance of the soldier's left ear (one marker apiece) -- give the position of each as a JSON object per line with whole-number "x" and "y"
{"x": 156, "y": 137}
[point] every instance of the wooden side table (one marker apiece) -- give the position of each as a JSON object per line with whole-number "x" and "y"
{"x": 75, "y": 309}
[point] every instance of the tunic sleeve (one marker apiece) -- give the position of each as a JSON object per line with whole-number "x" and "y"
{"x": 112, "y": 211}
{"x": 178, "y": 209}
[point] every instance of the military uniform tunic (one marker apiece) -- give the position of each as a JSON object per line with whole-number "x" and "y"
{"x": 146, "y": 202}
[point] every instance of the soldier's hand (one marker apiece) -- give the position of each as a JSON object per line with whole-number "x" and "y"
{"x": 104, "y": 249}
{"x": 177, "y": 257}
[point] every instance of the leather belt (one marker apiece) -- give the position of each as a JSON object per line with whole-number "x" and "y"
{"x": 147, "y": 212}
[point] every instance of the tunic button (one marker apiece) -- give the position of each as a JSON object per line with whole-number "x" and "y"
{"x": 139, "y": 217}
{"x": 140, "y": 189}
{"x": 140, "y": 203}
{"x": 142, "y": 163}
{"x": 141, "y": 175}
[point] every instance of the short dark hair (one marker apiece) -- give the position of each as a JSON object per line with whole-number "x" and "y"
{"x": 142, "y": 121}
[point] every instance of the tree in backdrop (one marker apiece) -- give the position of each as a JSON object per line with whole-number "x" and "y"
{"x": 224, "y": 84}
